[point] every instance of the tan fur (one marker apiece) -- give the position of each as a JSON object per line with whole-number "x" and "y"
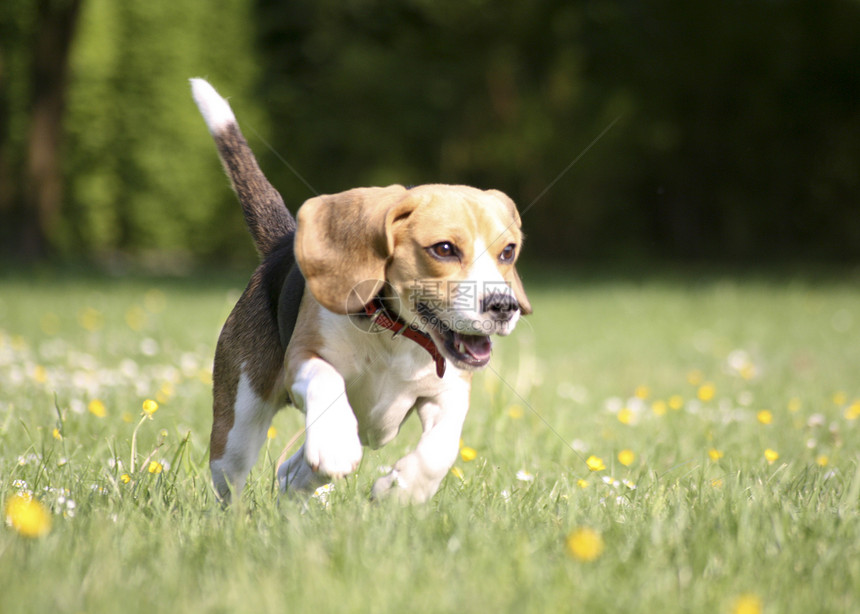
{"x": 459, "y": 214}
{"x": 356, "y": 387}
{"x": 380, "y": 234}
{"x": 344, "y": 240}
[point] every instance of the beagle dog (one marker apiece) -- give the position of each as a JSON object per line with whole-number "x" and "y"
{"x": 374, "y": 303}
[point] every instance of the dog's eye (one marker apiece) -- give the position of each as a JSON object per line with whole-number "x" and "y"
{"x": 508, "y": 253}
{"x": 444, "y": 250}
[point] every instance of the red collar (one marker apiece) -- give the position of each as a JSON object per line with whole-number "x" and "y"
{"x": 379, "y": 316}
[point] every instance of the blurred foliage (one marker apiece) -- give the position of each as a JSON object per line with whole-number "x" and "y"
{"x": 730, "y": 129}
{"x": 141, "y": 169}
{"x": 738, "y": 131}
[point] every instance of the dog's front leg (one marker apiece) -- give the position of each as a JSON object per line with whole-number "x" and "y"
{"x": 416, "y": 477}
{"x": 332, "y": 447}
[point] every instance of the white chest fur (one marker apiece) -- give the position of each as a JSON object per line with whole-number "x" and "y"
{"x": 385, "y": 376}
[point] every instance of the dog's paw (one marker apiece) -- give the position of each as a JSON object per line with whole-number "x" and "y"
{"x": 295, "y": 475}
{"x": 386, "y": 486}
{"x": 332, "y": 447}
{"x": 405, "y": 484}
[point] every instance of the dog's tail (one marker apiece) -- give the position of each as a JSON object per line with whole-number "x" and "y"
{"x": 267, "y": 217}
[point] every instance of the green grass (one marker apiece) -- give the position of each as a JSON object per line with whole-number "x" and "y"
{"x": 694, "y": 535}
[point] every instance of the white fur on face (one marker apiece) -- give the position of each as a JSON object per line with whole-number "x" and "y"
{"x": 483, "y": 280}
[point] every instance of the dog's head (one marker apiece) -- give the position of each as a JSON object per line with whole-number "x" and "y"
{"x": 447, "y": 254}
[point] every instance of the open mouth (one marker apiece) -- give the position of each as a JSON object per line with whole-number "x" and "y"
{"x": 471, "y": 350}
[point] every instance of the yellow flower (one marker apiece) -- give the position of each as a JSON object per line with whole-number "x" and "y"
{"x": 40, "y": 374}
{"x": 676, "y": 402}
{"x": 150, "y": 407}
{"x": 771, "y": 456}
{"x": 595, "y": 463}
{"x": 715, "y": 454}
{"x": 582, "y": 483}
{"x": 659, "y": 408}
{"x": 717, "y": 483}
{"x": 695, "y": 377}
{"x": 271, "y": 433}
{"x": 27, "y": 516}
{"x": 91, "y": 319}
{"x": 794, "y": 404}
{"x": 747, "y": 372}
{"x": 458, "y": 473}
{"x": 706, "y": 392}
{"x": 626, "y": 415}
{"x": 747, "y": 604}
{"x": 135, "y": 318}
{"x": 642, "y": 392}
{"x": 585, "y": 544}
{"x": 97, "y": 408}
{"x": 57, "y": 434}
{"x": 155, "y": 467}
{"x": 626, "y": 457}
{"x": 852, "y": 412}
{"x": 839, "y": 398}
{"x": 468, "y": 454}
{"x": 765, "y": 416}
{"x": 822, "y": 460}
{"x": 125, "y": 478}
{"x": 164, "y": 393}
{"x": 515, "y": 412}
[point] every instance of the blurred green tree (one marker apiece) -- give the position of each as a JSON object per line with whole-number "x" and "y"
{"x": 727, "y": 129}
{"x": 143, "y": 176}
{"x": 737, "y": 134}
{"x": 34, "y": 61}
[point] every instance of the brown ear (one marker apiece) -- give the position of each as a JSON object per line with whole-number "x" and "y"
{"x": 520, "y": 294}
{"x": 516, "y": 282}
{"x": 343, "y": 242}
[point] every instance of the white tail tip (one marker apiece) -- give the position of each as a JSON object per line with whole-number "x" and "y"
{"x": 215, "y": 110}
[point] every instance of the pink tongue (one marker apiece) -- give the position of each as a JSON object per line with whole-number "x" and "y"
{"x": 477, "y": 346}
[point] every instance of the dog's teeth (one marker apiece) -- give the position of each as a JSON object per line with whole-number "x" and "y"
{"x": 462, "y": 348}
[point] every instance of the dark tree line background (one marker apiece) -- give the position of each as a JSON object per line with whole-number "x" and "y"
{"x": 730, "y": 129}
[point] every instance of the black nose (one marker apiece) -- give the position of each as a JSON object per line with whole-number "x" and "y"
{"x": 501, "y": 307}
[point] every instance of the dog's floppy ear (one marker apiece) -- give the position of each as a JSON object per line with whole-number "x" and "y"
{"x": 515, "y": 281}
{"x": 344, "y": 241}
{"x": 520, "y": 293}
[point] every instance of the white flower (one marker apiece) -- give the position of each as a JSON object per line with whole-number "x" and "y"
{"x": 614, "y": 404}
{"x": 610, "y": 481}
{"x": 816, "y": 420}
{"x": 579, "y": 445}
{"x": 321, "y": 494}
{"x": 149, "y": 347}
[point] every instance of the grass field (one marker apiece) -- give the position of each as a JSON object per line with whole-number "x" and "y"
{"x": 678, "y": 442}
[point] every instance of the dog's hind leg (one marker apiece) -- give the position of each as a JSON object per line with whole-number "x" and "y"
{"x": 247, "y": 391}
{"x": 251, "y": 418}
